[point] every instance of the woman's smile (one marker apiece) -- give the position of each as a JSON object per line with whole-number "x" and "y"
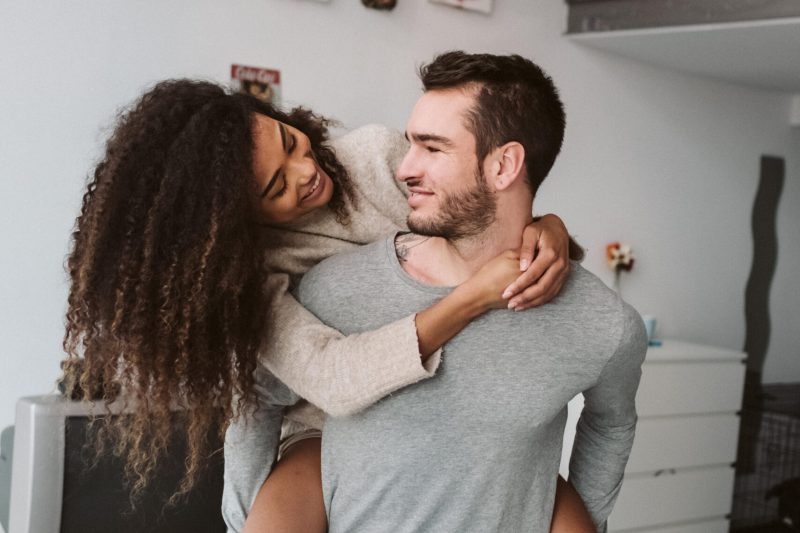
{"x": 291, "y": 181}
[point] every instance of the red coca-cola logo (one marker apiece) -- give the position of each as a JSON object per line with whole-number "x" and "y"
{"x": 261, "y": 75}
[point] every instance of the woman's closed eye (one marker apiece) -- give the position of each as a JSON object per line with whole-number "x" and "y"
{"x": 281, "y": 191}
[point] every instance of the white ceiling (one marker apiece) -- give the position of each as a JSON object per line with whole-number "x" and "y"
{"x": 763, "y": 54}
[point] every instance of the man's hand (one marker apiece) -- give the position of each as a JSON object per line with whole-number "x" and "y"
{"x": 544, "y": 262}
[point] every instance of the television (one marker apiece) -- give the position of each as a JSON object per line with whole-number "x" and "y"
{"x": 56, "y": 488}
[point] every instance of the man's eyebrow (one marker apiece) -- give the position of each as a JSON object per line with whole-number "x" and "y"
{"x": 272, "y": 180}
{"x": 429, "y": 137}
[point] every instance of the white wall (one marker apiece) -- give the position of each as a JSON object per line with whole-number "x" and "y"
{"x": 663, "y": 161}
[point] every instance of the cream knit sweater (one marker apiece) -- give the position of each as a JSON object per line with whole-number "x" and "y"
{"x": 341, "y": 374}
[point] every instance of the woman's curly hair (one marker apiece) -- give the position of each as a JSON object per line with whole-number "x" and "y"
{"x": 167, "y": 270}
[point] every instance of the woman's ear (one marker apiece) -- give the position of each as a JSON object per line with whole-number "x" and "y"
{"x": 507, "y": 165}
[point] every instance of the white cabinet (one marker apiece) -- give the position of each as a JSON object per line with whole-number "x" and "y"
{"x": 679, "y": 476}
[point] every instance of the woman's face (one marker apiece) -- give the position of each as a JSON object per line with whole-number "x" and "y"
{"x": 290, "y": 182}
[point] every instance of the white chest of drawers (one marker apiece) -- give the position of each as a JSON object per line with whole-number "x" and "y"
{"x": 679, "y": 477}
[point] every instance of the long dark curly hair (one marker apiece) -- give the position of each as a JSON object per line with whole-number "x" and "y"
{"x": 167, "y": 269}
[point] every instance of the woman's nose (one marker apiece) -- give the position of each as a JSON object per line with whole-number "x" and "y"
{"x": 305, "y": 167}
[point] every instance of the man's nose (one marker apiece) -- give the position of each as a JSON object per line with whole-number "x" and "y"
{"x": 408, "y": 167}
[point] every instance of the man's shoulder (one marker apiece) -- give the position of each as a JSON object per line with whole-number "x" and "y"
{"x": 628, "y": 337}
{"x": 368, "y": 252}
{"x": 597, "y": 311}
{"x": 585, "y": 290}
{"x": 350, "y": 265}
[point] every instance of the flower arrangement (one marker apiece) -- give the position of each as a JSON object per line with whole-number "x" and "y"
{"x": 620, "y": 259}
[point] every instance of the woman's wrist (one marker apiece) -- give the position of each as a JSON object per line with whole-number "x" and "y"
{"x": 472, "y": 300}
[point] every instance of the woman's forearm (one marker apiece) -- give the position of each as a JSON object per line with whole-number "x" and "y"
{"x": 340, "y": 374}
{"x": 343, "y": 374}
{"x": 445, "y": 319}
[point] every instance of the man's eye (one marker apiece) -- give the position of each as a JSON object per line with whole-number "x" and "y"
{"x": 292, "y": 144}
{"x": 432, "y": 150}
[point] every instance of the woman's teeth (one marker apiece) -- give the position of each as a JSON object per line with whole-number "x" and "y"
{"x": 314, "y": 187}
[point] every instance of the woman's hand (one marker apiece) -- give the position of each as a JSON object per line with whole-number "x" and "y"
{"x": 487, "y": 284}
{"x": 544, "y": 262}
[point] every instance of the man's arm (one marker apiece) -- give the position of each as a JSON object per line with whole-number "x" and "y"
{"x": 605, "y": 431}
{"x": 251, "y": 447}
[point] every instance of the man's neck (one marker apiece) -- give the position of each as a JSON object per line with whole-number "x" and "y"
{"x": 439, "y": 261}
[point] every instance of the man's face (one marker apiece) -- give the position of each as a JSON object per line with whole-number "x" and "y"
{"x": 449, "y": 195}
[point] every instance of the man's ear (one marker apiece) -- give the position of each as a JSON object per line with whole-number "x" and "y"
{"x": 507, "y": 165}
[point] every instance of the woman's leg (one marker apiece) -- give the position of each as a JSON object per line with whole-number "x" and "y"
{"x": 569, "y": 512}
{"x": 290, "y": 500}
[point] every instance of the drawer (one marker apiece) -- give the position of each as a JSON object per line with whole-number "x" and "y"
{"x": 719, "y": 525}
{"x": 684, "y": 441}
{"x": 686, "y": 496}
{"x": 690, "y": 388}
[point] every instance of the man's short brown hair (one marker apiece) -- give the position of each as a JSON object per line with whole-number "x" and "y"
{"x": 514, "y": 101}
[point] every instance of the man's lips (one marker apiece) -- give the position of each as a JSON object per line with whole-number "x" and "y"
{"x": 419, "y": 190}
{"x": 418, "y": 196}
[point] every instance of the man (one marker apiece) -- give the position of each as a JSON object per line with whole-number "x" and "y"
{"x": 477, "y": 447}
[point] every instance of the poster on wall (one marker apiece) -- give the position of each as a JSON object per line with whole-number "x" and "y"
{"x": 263, "y": 83}
{"x": 484, "y": 6}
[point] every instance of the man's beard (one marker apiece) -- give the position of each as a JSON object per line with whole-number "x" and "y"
{"x": 461, "y": 215}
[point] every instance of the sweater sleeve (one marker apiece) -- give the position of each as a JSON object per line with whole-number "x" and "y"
{"x": 339, "y": 374}
{"x": 605, "y": 431}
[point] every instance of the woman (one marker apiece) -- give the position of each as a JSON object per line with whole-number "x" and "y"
{"x": 176, "y": 291}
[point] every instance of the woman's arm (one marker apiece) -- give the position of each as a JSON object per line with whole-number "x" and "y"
{"x": 546, "y": 251}
{"x": 344, "y": 374}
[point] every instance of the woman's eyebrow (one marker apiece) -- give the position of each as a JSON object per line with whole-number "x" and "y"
{"x": 271, "y": 183}
{"x": 283, "y": 135}
{"x": 272, "y": 180}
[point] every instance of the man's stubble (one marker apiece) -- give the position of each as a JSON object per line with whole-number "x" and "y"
{"x": 461, "y": 215}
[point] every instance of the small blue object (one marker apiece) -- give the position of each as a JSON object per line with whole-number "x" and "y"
{"x": 654, "y": 343}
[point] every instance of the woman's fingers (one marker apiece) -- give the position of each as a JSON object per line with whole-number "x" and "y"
{"x": 530, "y": 240}
{"x": 531, "y": 276}
{"x": 539, "y": 284}
{"x": 544, "y": 261}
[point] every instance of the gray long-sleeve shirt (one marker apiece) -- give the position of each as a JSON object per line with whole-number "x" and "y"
{"x": 477, "y": 448}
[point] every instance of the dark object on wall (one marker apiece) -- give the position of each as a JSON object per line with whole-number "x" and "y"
{"x": 765, "y": 257}
{"x": 768, "y": 494}
{"x": 386, "y": 5}
{"x": 756, "y": 298}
